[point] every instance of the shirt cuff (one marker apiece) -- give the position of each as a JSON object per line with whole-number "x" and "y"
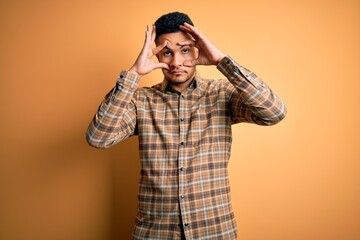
{"x": 229, "y": 68}
{"x": 127, "y": 79}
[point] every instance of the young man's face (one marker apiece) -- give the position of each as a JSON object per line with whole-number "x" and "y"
{"x": 175, "y": 53}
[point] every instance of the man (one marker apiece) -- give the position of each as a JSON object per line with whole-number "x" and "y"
{"x": 184, "y": 130}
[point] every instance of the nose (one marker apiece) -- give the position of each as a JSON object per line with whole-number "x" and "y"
{"x": 176, "y": 61}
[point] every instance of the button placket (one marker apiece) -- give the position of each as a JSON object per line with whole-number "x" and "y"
{"x": 181, "y": 115}
{"x": 181, "y": 160}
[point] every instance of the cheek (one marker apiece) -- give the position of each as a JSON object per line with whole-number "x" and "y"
{"x": 158, "y": 57}
{"x": 193, "y": 55}
{"x": 161, "y": 60}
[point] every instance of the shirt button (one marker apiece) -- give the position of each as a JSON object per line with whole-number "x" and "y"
{"x": 182, "y": 119}
{"x": 182, "y": 196}
{"x": 186, "y": 224}
{"x": 182, "y": 143}
{"x": 181, "y": 169}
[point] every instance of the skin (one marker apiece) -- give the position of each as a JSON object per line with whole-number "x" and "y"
{"x": 175, "y": 54}
{"x": 178, "y": 55}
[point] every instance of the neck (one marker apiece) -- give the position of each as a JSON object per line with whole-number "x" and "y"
{"x": 180, "y": 87}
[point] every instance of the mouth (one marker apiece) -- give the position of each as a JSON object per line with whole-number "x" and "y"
{"x": 177, "y": 72}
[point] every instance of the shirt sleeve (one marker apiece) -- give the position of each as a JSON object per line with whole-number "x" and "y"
{"x": 115, "y": 118}
{"x": 251, "y": 100}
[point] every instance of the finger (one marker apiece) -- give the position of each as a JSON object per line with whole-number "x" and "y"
{"x": 191, "y": 63}
{"x": 159, "y": 48}
{"x": 191, "y": 30}
{"x": 185, "y": 29}
{"x": 190, "y": 43}
{"x": 147, "y": 34}
{"x": 185, "y": 26}
{"x": 162, "y": 65}
{"x": 153, "y": 33}
{"x": 190, "y": 33}
{"x": 190, "y": 26}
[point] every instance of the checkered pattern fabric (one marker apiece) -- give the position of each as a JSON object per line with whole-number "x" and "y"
{"x": 185, "y": 143}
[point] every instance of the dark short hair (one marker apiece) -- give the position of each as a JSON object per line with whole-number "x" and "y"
{"x": 170, "y": 23}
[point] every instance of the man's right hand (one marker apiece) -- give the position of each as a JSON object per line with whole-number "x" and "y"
{"x": 144, "y": 63}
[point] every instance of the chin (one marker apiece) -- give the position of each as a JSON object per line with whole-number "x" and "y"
{"x": 175, "y": 79}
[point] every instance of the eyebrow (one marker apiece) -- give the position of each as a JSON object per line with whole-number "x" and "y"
{"x": 184, "y": 45}
{"x": 181, "y": 46}
{"x": 166, "y": 47}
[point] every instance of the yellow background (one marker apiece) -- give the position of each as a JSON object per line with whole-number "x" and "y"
{"x": 298, "y": 180}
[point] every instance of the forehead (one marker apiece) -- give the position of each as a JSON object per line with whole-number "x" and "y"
{"x": 173, "y": 38}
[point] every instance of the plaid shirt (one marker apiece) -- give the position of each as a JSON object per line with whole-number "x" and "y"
{"x": 184, "y": 141}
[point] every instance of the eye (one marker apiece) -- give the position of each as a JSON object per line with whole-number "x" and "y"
{"x": 167, "y": 53}
{"x": 185, "y": 50}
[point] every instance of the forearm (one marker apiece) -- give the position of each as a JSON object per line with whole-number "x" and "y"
{"x": 262, "y": 105}
{"x": 115, "y": 118}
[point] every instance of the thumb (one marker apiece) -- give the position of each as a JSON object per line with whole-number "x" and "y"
{"x": 161, "y": 65}
{"x": 159, "y": 48}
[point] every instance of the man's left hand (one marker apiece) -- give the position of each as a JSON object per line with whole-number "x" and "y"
{"x": 208, "y": 53}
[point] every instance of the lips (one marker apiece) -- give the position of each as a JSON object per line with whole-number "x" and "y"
{"x": 175, "y": 72}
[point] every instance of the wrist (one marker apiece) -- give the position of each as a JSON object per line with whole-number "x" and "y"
{"x": 135, "y": 71}
{"x": 220, "y": 58}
